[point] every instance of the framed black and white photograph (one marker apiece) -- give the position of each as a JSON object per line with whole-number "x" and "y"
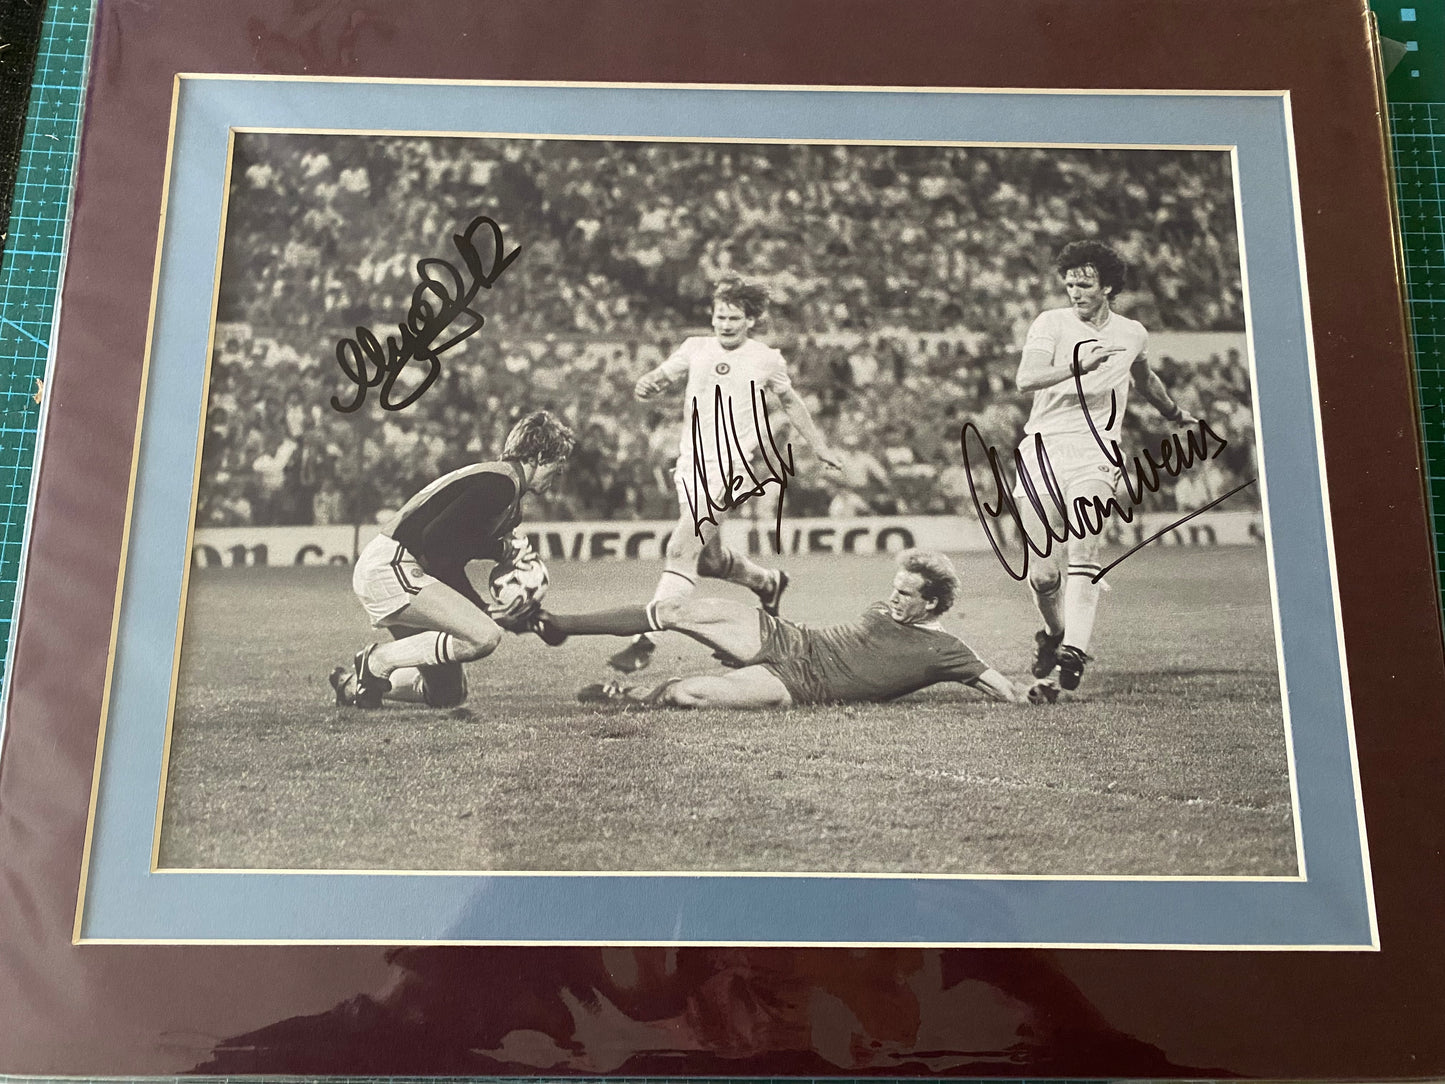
{"x": 757, "y": 539}
{"x": 700, "y": 498}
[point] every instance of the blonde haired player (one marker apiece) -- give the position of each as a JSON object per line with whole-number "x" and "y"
{"x": 742, "y": 370}
{"x": 895, "y": 647}
{"x": 1111, "y": 352}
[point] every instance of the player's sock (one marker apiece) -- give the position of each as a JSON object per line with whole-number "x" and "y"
{"x": 422, "y": 649}
{"x": 1081, "y": 602}
{"x": 673, "y": 584}
{"x": 637, "y": 655}
{"x": 1051, "y": 606}
{"x": 626, "y": 621}
{"x": 744, "y": 572}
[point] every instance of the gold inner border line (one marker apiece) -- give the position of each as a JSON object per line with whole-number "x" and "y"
{"x": 692, "y": 875}
{"x": 383, "y": 133}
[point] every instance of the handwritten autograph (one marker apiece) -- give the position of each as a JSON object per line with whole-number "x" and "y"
{"x": 730, "y": 454}
{"x": 1087, "y": 515}
{"x": 443, "y": 296}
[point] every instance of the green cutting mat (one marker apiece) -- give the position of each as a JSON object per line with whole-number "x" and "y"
{"x": 1419, "y": 140}
{"x": 1416, "y": 94}
{"x": 30, "y": 271}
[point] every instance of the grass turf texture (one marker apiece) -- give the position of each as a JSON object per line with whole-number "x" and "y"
{"x": 1169, "y": 760}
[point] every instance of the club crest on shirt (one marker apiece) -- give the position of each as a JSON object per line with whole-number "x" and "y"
{"x": 722, "y": 368}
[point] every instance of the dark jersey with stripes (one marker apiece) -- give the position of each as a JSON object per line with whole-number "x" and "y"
{"x": 463, "y": 516}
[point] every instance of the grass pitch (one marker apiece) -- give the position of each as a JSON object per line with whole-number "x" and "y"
{"x": 1170, "y": 760}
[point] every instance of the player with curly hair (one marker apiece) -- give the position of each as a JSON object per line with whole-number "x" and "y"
{"x": 894, "y": 648}
{"x": 1085, "y": 346}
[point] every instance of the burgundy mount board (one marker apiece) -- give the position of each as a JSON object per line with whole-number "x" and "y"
{"x": 79, "y": 1005}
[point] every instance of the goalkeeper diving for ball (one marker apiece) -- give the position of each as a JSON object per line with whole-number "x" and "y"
{"x": 412, "y": 579}
{"x": 896, "y": 647}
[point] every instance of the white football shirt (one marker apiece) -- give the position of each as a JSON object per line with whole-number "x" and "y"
{"x": 1057, "y": 410}
{"x": 711, "y": 368}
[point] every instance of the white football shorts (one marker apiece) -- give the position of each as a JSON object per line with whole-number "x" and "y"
{"x": 1077, "y": 462}
{"x": 697, "y": 480}
{"x": 693, "y": 486}
{"x": 386, "y": 579}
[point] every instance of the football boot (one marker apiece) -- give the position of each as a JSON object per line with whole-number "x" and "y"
{"x": 517, "y": 617}
{"x": 603, "y": 692}
{"x": 540, "y": 623}
{"x": 367, "y": 688}
{"x": 1071, "y": 666}
{"x": 340, "y": 679}
{"x": 1043, "y": 692}
{"x": 634, "y": 657}
{"x": 1046, "y": 652}
{"x": 772, "y": 596}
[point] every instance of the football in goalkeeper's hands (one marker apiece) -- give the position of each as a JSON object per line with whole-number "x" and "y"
{"x": 522, "y": 579}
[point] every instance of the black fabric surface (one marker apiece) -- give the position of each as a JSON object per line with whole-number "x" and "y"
{"x": 19, "y": 39}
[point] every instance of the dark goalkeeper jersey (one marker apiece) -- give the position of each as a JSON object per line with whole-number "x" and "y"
{"x": 463, "y": 516}
{"x": 872, "y": 658}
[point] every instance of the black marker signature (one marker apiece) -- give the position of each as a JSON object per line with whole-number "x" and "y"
{"x": 1086, "y": 516}
{"x": 443, "y": 295}
{"x": 730, "y": 454}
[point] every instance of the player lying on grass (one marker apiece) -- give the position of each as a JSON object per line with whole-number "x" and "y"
{"x": 895, "y": 648}
{"x": 744, "y": 373}
{"x": 412, "y": 579}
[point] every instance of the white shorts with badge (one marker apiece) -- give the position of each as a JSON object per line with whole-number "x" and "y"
{"x": 694, "y": 487}
{"x": 386, "y": 579}
{"x": 1077, "y": 462}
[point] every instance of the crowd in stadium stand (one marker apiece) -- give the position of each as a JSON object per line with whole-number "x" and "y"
{"x": 903, "y": 280}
